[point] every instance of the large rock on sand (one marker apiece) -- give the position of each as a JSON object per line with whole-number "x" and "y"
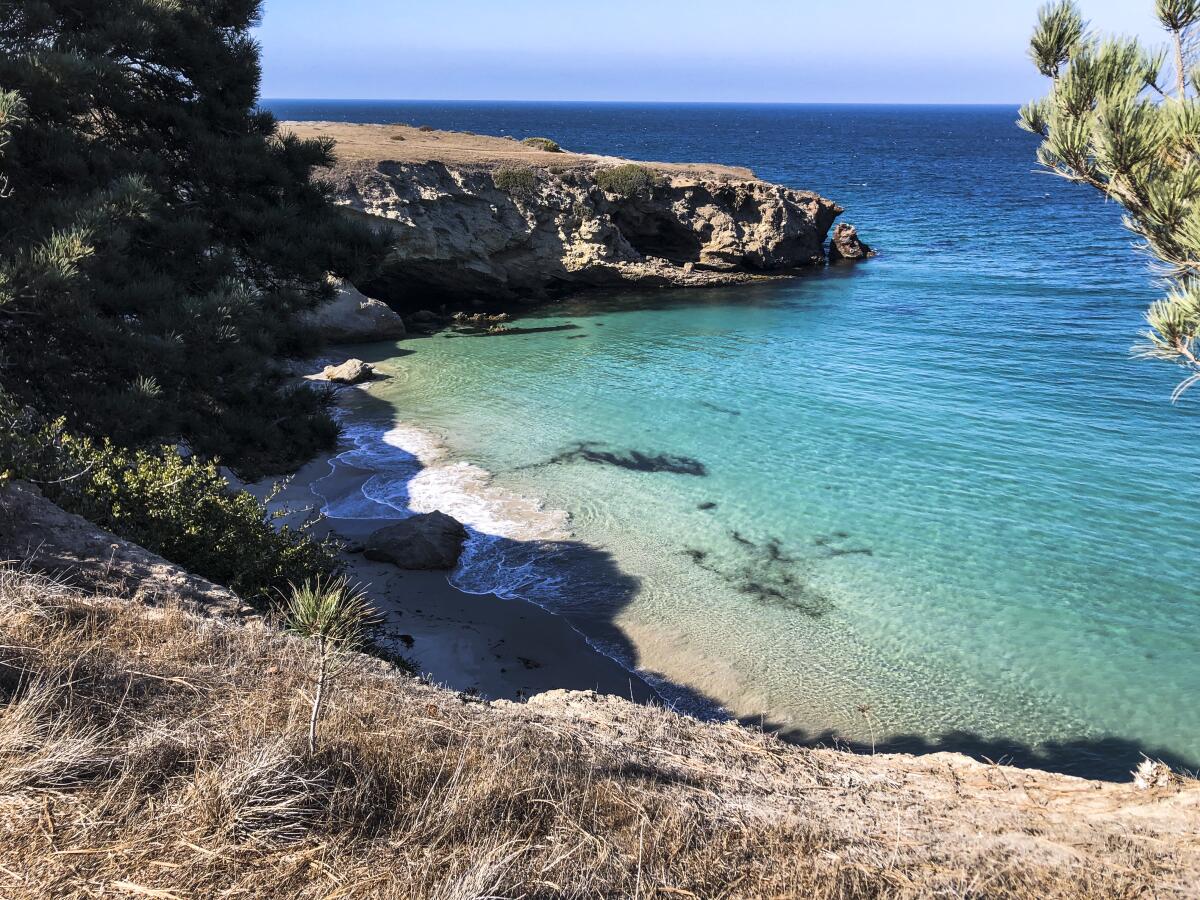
{"x": 353, "y": 318}
{"x": 430, "y": 541}
{"x": 352, "y": 371}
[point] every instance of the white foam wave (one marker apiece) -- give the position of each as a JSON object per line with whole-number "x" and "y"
{"x": 408, "y": 470}
{"x": 517, "y": 548}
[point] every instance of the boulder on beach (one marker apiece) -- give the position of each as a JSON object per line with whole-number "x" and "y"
{"x": 352, "y": 371}
{"x": 351, "y": 318}
{"x": 846, "y": 244}
{"x": 430, "y": 541}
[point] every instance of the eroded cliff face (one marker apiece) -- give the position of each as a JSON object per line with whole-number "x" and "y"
{"x": 459, "y": 235}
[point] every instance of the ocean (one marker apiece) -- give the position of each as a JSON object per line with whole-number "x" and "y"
{"x": 925, "y": 502}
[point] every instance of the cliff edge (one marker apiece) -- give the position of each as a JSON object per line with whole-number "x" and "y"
{"x": 493, "y": 219}
{"x": 159, "y": 751}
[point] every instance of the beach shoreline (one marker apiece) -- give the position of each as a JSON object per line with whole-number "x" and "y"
{"x": 497, "y": 648}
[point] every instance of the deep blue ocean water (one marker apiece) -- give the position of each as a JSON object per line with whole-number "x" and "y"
{"x": 944, "y": 507}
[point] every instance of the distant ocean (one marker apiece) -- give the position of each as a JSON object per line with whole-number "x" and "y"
{"x": 942, "y": 508}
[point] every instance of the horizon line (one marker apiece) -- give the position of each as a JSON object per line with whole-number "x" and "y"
{"x": 1016, "y": 103}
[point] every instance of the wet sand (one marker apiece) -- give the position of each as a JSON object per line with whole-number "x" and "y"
{"x": 482, "y": 644}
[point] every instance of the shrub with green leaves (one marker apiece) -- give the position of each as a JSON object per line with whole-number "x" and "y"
{"x": 629, "y": 180}
{"x": 541, "y": 143}
{"x": 517, "y": 181}
{"x": 179, "y": 507}
{"x": 1125, "y": 120}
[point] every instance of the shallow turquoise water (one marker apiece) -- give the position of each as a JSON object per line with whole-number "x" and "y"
{"x": 943, "y": 505}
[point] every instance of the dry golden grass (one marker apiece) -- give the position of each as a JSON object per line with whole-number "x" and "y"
{"x": 405, "y": 144}
{"x": 152, "y": 753}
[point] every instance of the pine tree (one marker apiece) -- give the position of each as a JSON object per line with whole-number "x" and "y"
{"x": 1125, "y": 119}
{"x": 158, "y": 234}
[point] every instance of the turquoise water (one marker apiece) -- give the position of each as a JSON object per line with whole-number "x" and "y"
{"x": 928, "y": 501}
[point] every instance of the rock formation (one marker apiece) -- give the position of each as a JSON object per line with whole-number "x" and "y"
{"x": 352, "y": 371}
{"x": 45, "y": 538}
{"x": 351, "y": 318}
{"x": 846, "y": 244}
{"x": 459, "y": 236}
{"x": 430, "y": 541}
{"x": 483, "y": 219}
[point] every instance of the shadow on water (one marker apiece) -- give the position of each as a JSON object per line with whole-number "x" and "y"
{"x": 1106, "y": 759}
{"x": 586, "y": 586}
{"x": 512, "y": 331}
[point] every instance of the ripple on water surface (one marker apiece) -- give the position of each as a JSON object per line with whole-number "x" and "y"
{"x": 927, "y": 496}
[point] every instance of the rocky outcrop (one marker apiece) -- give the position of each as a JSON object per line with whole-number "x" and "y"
{"x": 352, "y": 318}
{"x": 457, "y": 235}
{"x": 492, "y": 220}
{"x": 43, "y": 537}
{"x": 430, "y": 541}
{"x": 352, "y": 371}
{"x": 845, "y": 244}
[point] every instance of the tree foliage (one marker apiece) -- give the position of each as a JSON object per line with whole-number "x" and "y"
{"x": 1125, "y": 119}
{"x": 158, "y": 234}
{"x": 179, "y": 507}
{"x": 335, "y": 615}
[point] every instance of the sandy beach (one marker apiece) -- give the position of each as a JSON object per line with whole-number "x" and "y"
{"x": 480, "y": 644}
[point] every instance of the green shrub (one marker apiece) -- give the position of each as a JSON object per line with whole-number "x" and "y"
{"x": 518, "y": 181}
{"x": 541, "y": 143}
{"x": 628, "y": 180}
{"x": 181, "y": 508}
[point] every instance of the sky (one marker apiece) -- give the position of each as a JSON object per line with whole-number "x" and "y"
{"x": 864, "y": 51}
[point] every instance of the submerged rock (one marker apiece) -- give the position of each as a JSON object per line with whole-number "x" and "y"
{"x": 846, "y": 244}
{"x": 430, "y": 541}
{"x": 352, "y": 371}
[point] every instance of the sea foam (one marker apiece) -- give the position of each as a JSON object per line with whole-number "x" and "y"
{"x": 512, "y": 540}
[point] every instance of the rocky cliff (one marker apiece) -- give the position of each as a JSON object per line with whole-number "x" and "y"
{"x": 491, "y": 219}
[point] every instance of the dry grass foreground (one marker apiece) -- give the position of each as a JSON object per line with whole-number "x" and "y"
{"x": 151, "y": 752}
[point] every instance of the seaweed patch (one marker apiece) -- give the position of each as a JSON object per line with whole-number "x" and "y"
{"x": 770, "y": 576}
{"x": 827, "y": 543}
{"x": 721, "y": 409}
{"x": 633, "y": 460}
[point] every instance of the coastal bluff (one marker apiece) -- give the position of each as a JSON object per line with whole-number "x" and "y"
{"x": 151, "y": 728}
{"x": 492, "y": 219}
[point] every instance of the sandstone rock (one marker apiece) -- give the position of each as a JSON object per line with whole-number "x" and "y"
{"x": 457, "y": 235}
{"x": 846, "y": 244}
{"x": 352, "y": 371}
{"x": 430, "y": 541}
{"x": 45, "y": 538}
{"x": 351, "y": 318}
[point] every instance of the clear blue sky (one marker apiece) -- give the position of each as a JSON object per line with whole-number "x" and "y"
{"x": 953, "y": 51}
